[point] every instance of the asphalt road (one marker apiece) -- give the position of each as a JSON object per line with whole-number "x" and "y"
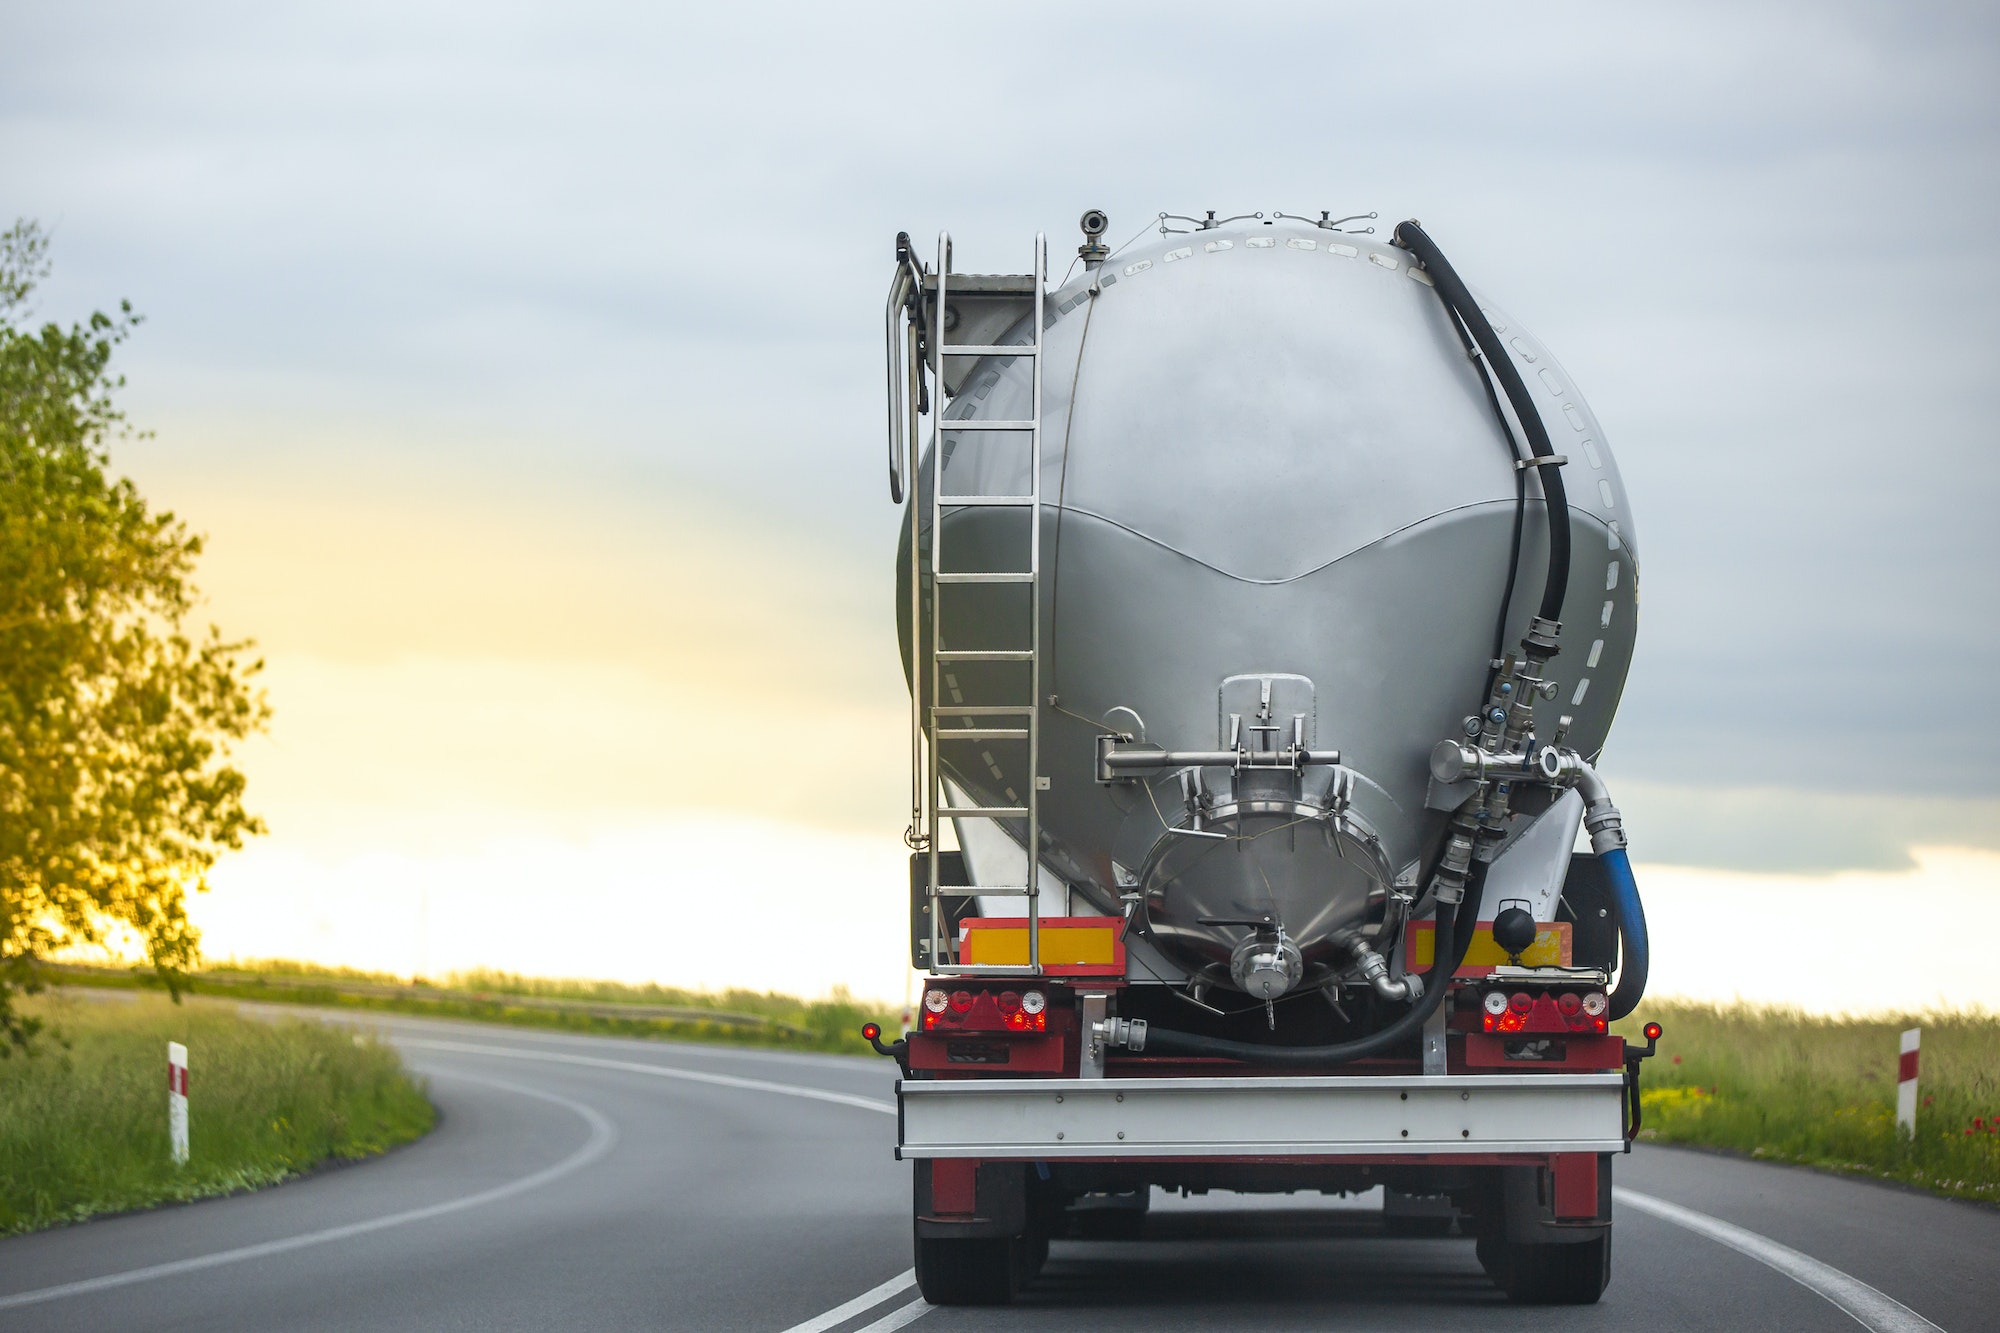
{"x": 588, "y": 1183}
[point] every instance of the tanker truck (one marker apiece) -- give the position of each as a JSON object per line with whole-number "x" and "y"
{"x": 1265, "y": 595}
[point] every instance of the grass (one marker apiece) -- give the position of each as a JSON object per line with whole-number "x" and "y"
{"x": 83, "y": 1116}
{"x": 736, "y": 1017}
{"x": 1788, "y": 1086}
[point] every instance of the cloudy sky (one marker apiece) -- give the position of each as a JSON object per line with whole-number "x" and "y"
{"x": 522, "y": 364}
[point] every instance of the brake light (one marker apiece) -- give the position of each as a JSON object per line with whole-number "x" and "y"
{"x": 1567, "y": 1011}
{"x": 985, "y": 1011}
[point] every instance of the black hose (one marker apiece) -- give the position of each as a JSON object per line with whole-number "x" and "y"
{"x": 1520, "y": 508}
{"x": 1454, "y": 935}
{"x": 1460, "y": 302}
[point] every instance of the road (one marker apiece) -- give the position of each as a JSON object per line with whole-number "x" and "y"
{"x": 597, "y": 1183}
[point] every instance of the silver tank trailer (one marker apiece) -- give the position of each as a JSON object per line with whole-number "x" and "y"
{"x": 1279, "y": 510}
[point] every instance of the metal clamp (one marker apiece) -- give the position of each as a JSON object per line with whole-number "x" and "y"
{"x": 1551, "y": 460}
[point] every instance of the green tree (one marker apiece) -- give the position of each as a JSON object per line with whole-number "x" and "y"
{"x": 115, "y": 718}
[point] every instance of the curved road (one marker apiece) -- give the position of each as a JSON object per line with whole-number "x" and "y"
{"x": 597, "y": 1183}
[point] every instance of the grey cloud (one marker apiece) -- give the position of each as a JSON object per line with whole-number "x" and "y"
{"x": 1756, "y": 234}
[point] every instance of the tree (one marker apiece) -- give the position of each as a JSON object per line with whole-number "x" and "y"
{"x": 115, "y": 719}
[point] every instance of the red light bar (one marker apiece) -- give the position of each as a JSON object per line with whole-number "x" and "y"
{"x": 1523, "y": 1012}
{"x": 987, "y": 1011}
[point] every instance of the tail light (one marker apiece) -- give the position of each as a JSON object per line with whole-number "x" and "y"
{"x": 985, "y": 1011}
{"x": 1565, "y": 1011}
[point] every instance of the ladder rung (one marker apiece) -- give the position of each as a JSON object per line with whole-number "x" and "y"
{"x": 982, "y": 710}
{"x": 986, "y": 655}
{"x": 969, "y": 501}
{"x": 982, "y": 890}
{"x": 968, "y": 423}
{"x": 972, "y": 733}
{"x": 1006, "y": 576}
{"x": 983, "y": 811}
{"x": 989, "y": 349}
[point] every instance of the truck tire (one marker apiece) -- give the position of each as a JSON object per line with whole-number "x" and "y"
{"x": 968, "y": 1272}
{"x": 1574, "y": 1274}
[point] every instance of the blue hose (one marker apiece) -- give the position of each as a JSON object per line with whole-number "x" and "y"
{"x": 1631, "y": 933}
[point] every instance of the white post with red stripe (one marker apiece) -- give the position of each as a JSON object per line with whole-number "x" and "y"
{"x": 177, "y": 1099}
{"x": 1906, "y": 1084}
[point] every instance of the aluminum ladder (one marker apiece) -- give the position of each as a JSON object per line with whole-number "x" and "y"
{"x": 1013, "y": 720}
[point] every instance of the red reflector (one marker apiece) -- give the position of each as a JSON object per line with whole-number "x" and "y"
{"x": 1522, "y": 1002}
{"x": 961, "y": 1001}
{"x": 1570, "y": 1003}
{"x": 1009, "y": 1002}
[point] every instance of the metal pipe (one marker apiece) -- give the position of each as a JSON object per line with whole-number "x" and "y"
{"x": 1375, "y": 971}
{"x": 1288, "y": 757}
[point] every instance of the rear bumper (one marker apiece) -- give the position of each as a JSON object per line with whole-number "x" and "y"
{"x": 1248, "y": 1119}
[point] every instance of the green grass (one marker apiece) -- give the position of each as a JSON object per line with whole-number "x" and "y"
{"x": 736, "y": 1017}
{"x": 1792, "y": 1087}
{"x": 83, "y": 1115}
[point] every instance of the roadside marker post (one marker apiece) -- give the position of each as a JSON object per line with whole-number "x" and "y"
{"x": 177, "y": 1100}
{"x": 1906, "y": 1084}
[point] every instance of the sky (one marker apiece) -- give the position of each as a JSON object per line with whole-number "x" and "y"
{"x": 522, "y": 365}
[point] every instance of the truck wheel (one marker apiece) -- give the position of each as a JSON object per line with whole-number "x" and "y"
{"x": 967, "y": 1272}
{"x": 1550, "y": 1274}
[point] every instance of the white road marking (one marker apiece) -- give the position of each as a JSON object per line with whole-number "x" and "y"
{"x": 909, "y": 1314}
{"x": 1867, "y": 1306}
{"x": 867, "y": 1300}
{"x": 602, "y": 1136}
{"x": 654, "y": 1071}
